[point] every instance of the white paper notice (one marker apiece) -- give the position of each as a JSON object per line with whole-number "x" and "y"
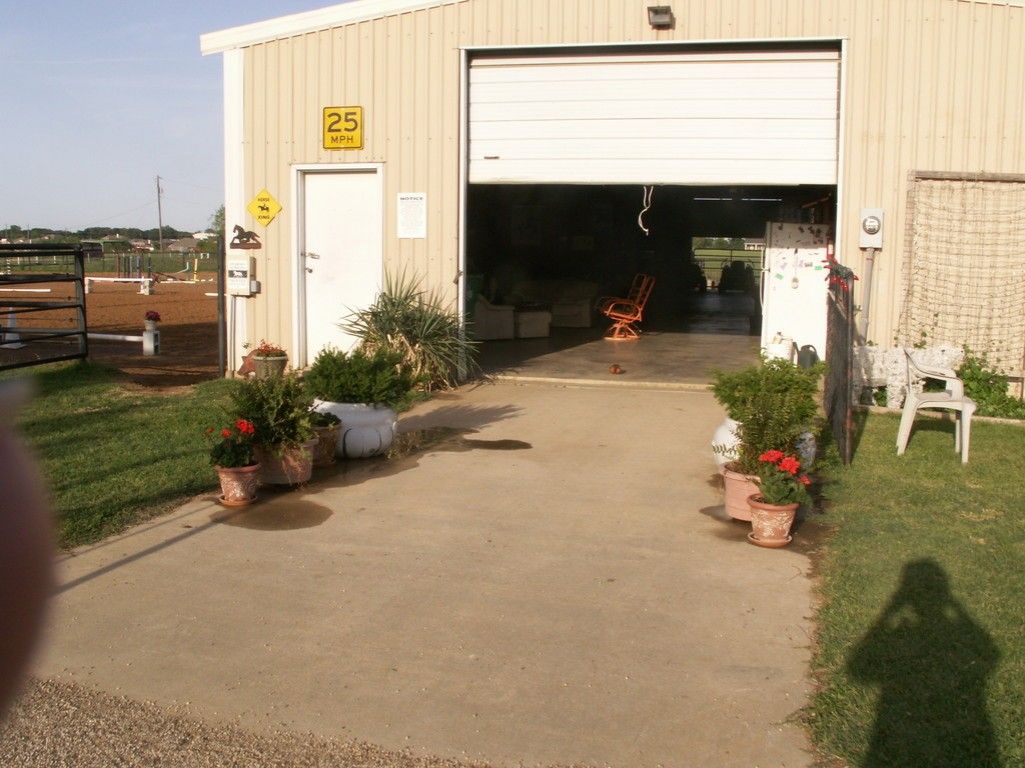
{"x": 412, "y": 215}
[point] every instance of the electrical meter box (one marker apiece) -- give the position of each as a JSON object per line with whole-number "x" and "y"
{"x": 241, "y": 271}
{"x": 870, "y": 232}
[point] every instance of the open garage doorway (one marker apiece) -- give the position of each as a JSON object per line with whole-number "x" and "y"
{"x": 588, "y": 167}
{"x": 541, "y": 257}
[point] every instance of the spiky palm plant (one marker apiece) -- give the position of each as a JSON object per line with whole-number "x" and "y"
{"x": 417, "y": 325}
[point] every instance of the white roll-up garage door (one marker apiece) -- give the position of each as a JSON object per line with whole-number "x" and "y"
{"x": 766, "y": 117}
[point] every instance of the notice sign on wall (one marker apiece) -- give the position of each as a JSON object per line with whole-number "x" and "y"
{"x": 412, "y": 215}
{"x": 343, "y": 127}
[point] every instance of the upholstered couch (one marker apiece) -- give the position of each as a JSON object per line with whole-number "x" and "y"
{"x": 492, "y": 321}
{"x": 571, "y": 301}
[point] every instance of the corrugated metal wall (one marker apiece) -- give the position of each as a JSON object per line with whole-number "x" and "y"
{"x": 934, "y": 85}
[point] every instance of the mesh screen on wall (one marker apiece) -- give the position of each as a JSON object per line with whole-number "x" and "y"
{"x": 965, "y": 268}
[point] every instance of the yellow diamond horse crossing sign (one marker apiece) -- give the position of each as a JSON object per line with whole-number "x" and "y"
{"x": 264, "y": 207}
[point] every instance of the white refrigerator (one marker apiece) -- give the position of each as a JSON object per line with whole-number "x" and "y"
{"x": 793, "y": 285}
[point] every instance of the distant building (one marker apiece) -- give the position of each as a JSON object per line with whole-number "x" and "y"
{"x": 141, "y": 246}
{"x": 201, "y": 236}
{"x": 184, "y": 245}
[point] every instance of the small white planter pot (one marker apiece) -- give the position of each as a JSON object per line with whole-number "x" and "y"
{"x": 724, "y": 443}
{"x": 367, "y": 430}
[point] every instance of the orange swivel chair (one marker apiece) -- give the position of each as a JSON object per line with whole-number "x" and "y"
{"x": 625, "y": 313}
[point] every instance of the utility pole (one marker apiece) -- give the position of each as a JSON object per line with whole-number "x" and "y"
{"x": 160, "y": 227}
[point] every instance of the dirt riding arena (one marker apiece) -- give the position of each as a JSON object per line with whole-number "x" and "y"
{"x": 188, "y": 331}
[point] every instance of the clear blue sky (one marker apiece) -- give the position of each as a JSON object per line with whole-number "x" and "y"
{"x": 99, "y": 97}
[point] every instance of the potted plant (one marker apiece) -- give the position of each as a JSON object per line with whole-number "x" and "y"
{"x": 233, "y": 456}
{"x": 773, "y": 406}
{"x": 362, "y": 389}
{"x": 782, "y": 487}
{"x": 327, "y": 427}
{"x": 269, "y": 360}
{"x": 151, "y": 319}
{"x": 279, "y": 409}
{"x": 419, "y": 326}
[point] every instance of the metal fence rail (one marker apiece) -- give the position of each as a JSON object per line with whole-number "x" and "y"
{"x": 58, "y": 323}
{"x": 838, "y": 394}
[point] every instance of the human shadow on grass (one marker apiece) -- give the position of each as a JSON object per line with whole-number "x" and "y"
{"x": 930, "y": 660}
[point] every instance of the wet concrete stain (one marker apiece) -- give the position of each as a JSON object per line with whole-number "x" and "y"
{"x": 496, "y": 445}
{"x": 448, "y": 439}
{"x": 810, "y": 532}
{"x": 274, "y": 514}
{"x": 280, "y": 509}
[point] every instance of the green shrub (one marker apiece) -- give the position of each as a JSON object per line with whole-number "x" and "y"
{"x": 774, "y": 402}
{"x": 988, "y": 388}
{"x": 377, "y": 377}
{"x": 417, "y": 326}
{"x": 278, "y": 408}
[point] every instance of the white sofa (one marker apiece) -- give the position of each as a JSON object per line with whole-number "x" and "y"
{"x": 492, "y": 321}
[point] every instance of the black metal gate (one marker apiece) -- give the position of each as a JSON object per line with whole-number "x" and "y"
{"x": 837, "y": 397}
{"x": 42, "y": 303}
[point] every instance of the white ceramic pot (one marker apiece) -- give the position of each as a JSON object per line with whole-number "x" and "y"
{"x": 367, "y": 430}
{"x": 725, "y": 441}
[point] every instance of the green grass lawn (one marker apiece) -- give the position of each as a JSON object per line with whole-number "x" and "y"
{"x": 921, "y": 651}
{"x": 114, "y": 455}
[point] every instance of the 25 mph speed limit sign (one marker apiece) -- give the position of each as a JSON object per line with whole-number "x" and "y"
{"x": 343, "y": 127}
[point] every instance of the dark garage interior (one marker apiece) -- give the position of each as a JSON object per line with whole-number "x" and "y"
{"x": 553, "y": 251}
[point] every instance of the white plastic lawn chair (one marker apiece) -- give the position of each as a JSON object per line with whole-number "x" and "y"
{"x": 951, "y": 398}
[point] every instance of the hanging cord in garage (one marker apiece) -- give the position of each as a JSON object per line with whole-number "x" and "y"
{"x": 647, "y": 193}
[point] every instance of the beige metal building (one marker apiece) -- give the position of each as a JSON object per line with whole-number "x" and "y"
{"x": 394, "y": 132}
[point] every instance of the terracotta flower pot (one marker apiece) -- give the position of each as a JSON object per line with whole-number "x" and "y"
{"x": 327, "y": 442}
{"x": 738, "y": 487}
{"x": 770, "y": 523}
{"x": 238, "y": 484}
{"x": 287, "y": 466}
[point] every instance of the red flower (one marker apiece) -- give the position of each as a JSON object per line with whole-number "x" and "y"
{"x": 804, "y": 480}
{"x": 225, "y": 432}
{"x": 771, "y": 456}
{"x": 209, "y": 430}
{"x": 789, "y": 464}
{"x": 245, "y": 427}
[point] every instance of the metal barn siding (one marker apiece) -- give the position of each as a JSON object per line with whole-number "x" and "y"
{"x": 931, "y": 85}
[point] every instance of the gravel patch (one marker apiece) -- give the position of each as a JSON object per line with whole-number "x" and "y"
{"x": 56, "y": 724}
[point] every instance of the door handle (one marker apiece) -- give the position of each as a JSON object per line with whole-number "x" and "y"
{"x": 311, "y": 255}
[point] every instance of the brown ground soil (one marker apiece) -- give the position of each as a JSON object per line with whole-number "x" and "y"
{"x": 188, "y": 330}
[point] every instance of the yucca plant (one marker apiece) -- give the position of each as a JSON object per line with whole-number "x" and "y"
{"x": 419, "y": 327}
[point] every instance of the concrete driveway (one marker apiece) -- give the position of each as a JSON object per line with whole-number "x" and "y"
{"x": 548, "y": 579}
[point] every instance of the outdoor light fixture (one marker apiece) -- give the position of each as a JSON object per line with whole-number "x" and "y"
{"x": 660, "y": 16}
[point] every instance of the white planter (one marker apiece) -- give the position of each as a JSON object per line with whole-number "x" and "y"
{"x": 725, "y": 437}
{"x": 367, "y": 430}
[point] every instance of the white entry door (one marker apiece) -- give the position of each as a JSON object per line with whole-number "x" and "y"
{"x": 340, "y": 254}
